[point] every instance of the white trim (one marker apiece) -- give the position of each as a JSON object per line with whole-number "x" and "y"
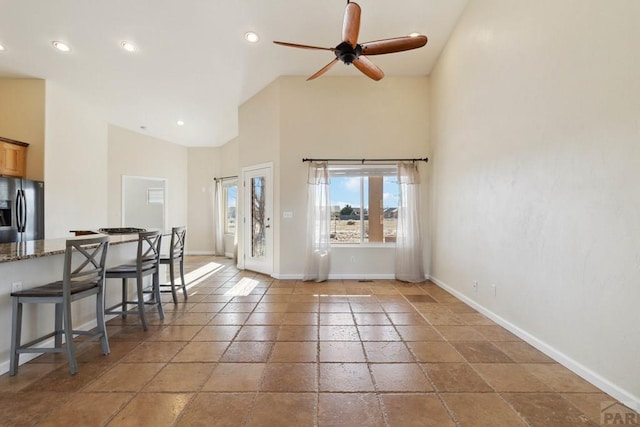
{"x": 342, "y": 276}
{"x": 373, "y": 245}
{"x": 594, "y": 378}
{"x": 187, "y": 253}
{"x": 256, "y": 167}
{"x": 268, "y": 266}
{"x": 288, "y": 276}
{"x": 339, "y": 276}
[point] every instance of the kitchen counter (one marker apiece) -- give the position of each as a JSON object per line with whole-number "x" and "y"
{"x": 41, "y": 248}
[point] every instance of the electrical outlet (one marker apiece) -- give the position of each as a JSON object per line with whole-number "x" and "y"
{"x": 16, "y": 286}
{"x": 353, "y": 260}
{"x": 495, "y": 289}
{"x": 475, "y": 286}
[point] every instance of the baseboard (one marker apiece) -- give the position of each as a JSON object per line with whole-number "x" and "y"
{"x": 594, "y": 378}
{"x": 338, "y": 276}
{"x": 287, "y": 276}
{"x": 209, "y": 253}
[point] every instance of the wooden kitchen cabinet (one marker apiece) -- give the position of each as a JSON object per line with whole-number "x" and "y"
{"x": 13, "y": 157}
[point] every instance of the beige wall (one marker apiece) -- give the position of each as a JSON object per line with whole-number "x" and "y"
{"x": 203, "y": 166}
{"x": 331, "y": 117}
{"x": 344, "y": 117}
{"x": 75, "y": 164}
{"x": 229, "y": 160}
{"x": 258, "y": 142}
{"x": 536, "y": 165}
{"x": 134, "y": 154}
{"x": 22, "y": 117}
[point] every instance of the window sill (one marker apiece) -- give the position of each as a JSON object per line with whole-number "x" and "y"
{"x": 363, "y": 245}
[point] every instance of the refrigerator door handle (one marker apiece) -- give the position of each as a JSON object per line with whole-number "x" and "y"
{"x": 18, "y": 211}
{"x": 24, "y": 211}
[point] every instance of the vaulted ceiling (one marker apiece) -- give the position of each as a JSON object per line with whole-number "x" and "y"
{"x": 191, "y": 62}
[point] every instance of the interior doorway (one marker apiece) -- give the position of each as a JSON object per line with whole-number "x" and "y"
{"x": 144, "y": 202}
{"x": 257, "y": 218}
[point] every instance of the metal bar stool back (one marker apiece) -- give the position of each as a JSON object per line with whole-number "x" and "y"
{"x": 84, "y": 280}
{"x": 176, "y": 254}
{"x": 147, "y": 264}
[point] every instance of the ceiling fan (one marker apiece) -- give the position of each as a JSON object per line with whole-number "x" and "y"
{"x": 352, "y": 52}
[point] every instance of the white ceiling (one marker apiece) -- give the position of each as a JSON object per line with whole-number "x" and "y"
{"x": 193, "y": 63}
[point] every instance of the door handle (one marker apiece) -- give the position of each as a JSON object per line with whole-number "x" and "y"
{"x": 24, "y": 211}
{"x": 18, "y": 211}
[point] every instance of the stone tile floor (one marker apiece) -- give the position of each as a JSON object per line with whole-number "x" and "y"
{"x": 248, "y": 350}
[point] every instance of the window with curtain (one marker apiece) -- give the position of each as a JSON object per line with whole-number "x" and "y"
{"x": 318, "y": 247}
{"x": 364, "y": 204}
{"x": 230, "y": 191}
{"x": 225, "y": 198}
{"x": 409, "y": 261}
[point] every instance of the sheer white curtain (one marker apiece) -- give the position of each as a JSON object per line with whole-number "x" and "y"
{"x": 318, "y": 223}
{"x": 218, "y": 218}
{"x": 409, "y": 262}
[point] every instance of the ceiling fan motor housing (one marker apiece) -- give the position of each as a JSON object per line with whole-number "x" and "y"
{"x": 347, "y": 53}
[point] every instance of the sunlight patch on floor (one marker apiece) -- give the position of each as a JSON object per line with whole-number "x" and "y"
{"x": 242, "y": 288}
{"x": 201, "y": 274}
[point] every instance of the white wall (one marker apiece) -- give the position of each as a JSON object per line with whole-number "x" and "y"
{"x": 536, "y": 165}
{"x": 75, "y": 170}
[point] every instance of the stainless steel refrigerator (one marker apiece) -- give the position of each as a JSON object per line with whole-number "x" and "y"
{"x": 21, "y": 210}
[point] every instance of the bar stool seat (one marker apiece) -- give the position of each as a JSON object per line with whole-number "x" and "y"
{"x": 83, "y": 276}
{"x": 147, "y": 263}
{"x": 176, "y": 254}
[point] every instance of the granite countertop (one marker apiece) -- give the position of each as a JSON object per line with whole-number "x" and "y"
{"x": 40, "y": 248}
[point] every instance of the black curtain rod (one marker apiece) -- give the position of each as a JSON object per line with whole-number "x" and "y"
{"x": 225, "y": 177}
{"x": 425, "y": 159}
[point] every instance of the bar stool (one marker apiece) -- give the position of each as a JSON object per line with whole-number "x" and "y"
{"x": 83, "y": 276}
{"x": 176, "y": 255}
{"x": 147, "y": 263}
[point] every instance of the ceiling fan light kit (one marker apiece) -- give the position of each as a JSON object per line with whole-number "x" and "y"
{"x": 349, "y": 51}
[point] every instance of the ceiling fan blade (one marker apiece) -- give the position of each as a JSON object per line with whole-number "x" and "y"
{"x": 368, "y": 68}
{"x": 323, "y": 70}
{"x": 351, "y": 24}
{"x": 303, "y": 46}
{"x": 398, "y": 44}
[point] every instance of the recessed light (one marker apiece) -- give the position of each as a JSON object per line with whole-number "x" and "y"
{"x": 180, "y": 123}
{"x": 1, "y": 48}
{"x": 61, "y": 46}
{"x": 414, "y": 34}
{"x": 251, "y": 37}
{"x": 128, "y": 46}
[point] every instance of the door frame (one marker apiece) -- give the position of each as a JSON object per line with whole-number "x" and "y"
{"x": 242, "y": 239}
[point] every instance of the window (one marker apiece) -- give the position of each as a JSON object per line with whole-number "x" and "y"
{"x": 230, "y": 190}
{"x": 364, "y": 203}
{"x": 155, "y": 196}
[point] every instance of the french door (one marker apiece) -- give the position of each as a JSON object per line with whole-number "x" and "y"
{"x": 258, "y": 212}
